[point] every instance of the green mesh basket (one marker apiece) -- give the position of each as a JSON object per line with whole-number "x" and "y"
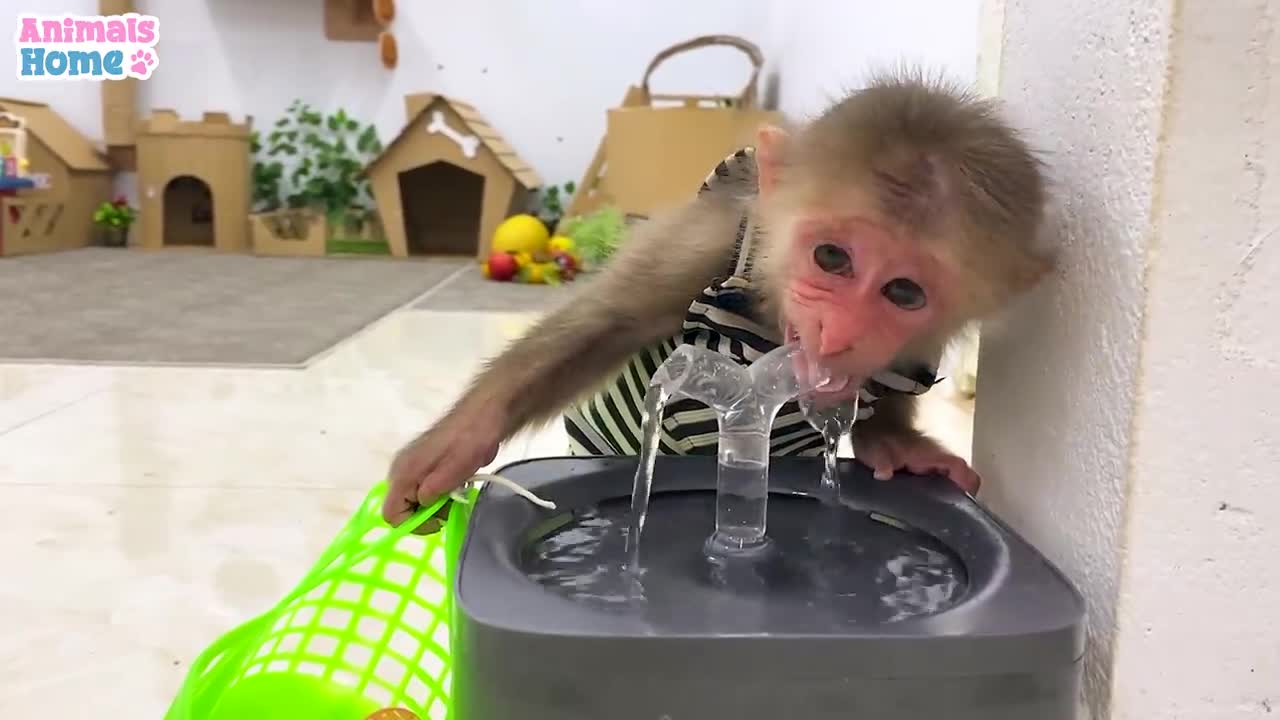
{"x": 368, "y": 627}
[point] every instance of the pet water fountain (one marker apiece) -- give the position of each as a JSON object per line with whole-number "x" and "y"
{"x": 760, "y": 588}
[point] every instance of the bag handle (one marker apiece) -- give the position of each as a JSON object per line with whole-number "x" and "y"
{"x": 746, "y": 46}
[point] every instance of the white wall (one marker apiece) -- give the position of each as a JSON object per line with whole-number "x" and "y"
{"x": 823, "y": 47}
{"x": 1079, "y": 74}
{"x": 543, "y": 73}
{"x": 1196, "y": 616}
{"x": 80, "y": 104}
{"x": 1126, "y": 415}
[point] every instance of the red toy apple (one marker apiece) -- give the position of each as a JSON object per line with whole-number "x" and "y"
{"x": 502, "y": 266}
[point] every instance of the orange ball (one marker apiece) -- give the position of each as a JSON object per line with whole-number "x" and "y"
{"x": 393, "y": 714}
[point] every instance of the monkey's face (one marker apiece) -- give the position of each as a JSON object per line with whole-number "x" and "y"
{"x": 857, "y": 293}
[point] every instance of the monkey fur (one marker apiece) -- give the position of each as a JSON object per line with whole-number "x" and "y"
{"x": 904, "y": 212}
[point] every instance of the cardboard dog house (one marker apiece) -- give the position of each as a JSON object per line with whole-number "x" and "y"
{"x": 447, "y": 180}
{"x": 72, "y": 178}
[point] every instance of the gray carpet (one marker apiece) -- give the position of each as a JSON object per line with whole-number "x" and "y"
{"x": 471, "y": 292}
{"x": 197, "y": 307}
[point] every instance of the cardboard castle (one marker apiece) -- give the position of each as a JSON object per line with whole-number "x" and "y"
{"x": 193, "y": 181}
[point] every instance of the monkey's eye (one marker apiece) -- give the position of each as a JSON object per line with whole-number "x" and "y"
{"x": 833, "y": 259}
{"x": 904, "y": 293}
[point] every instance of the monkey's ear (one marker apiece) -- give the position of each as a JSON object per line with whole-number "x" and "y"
{"x": 770, "y": 143}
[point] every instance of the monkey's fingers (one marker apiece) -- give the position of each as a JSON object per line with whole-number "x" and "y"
{"x": 939, "y": 461}
{"x": 450, "y": 473}
{"x": 882, "y": 458}
{"x": 966, "y": 477}
{"x": 408, "y": 469}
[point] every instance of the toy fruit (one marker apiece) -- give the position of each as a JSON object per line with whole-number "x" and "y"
{"x": 565, "y": 260}
{"x": 523, "y": 259}
{"x": 520, "y": 233}
{"x": 535, "y": 274}
{"x": 484, "y": 269}
{"x": 551, "y": 274}
{"x": 501, "y": 266}
{"x": 561, "y": 244}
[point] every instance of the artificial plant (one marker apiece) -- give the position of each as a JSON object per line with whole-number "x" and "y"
{"x": 313, "y": 160}
{"x": 115, "y": 218}
{"x": 597, "y": 235}
{"x": 549, "y": 203}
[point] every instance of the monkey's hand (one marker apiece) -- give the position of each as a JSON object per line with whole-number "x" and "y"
{"x": 886, "y": 454}
{"x": 438, "y": 462}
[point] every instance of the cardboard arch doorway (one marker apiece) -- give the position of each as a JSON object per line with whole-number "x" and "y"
{"x": 443, "y": 204}
{"x": 188, "y": 212}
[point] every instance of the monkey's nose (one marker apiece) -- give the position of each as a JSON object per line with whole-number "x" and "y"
{"x": 834, "y": 338}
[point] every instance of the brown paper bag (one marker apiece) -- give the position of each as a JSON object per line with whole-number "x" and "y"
{"x": 657, "y": 156}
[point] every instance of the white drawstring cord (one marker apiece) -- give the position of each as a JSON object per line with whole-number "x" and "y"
{"x": 508, "y": 484}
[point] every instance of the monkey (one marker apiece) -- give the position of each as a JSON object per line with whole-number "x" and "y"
{"x": 870, "y": 235}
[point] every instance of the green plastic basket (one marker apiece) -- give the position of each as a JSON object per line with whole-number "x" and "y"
{"x": 368, "y": 627}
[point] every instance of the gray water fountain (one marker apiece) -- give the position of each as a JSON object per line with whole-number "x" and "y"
{"x": 897, "y": 600}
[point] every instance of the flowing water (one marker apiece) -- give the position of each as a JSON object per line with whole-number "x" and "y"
{"x": 655, "y": 400}
{"x": 833, "y": 423}
{"x": 879, "y": 571}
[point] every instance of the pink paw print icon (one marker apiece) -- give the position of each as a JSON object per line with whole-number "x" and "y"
{"x": 142, "y": 62}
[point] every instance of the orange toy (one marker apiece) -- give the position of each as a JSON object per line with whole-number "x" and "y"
{"x": 393, "y": 714}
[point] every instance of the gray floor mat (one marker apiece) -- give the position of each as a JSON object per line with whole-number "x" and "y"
{"x": 195, "y": 306}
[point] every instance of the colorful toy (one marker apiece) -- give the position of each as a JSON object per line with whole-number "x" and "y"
{"x": 534, "y": 273}
{"x": 393, "y": 714}
{"x": 561, "y": 243}
{"x": 520, "y": 233}
{"x": 501, "y": 266}
{"x": 525, "y": 252}
{"x": 596, "y": 236}
{"x": 13, "y": 146}
{"x": 302, "y": 659}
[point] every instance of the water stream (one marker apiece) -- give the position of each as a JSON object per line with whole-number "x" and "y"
{"x": 746, "y": 401}
{"x": 833, "y": 422}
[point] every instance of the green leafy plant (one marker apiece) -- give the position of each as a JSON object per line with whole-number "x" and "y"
{"x": 115, "y": 218}
{"x": 549, "y": 203}
{"x": 597, "y": 235}
{"x": 267, "y": 176}
{"x": 115, "y": 215}
{"x": 313, "y": 160}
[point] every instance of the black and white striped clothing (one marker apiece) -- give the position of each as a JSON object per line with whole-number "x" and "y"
{"x": 720, "y": 319}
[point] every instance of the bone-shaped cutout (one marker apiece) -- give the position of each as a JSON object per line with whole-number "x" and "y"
{"x": 468, "y": 143}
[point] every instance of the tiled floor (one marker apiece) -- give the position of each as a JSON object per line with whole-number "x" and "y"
{"x": 144, "y": 511}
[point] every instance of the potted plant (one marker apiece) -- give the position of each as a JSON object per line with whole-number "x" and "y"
{"x": 114, "y": 219}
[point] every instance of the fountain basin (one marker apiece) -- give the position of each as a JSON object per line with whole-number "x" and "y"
{"x": 909, "y": 599}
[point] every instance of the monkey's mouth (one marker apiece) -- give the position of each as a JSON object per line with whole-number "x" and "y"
{"x": 813, "y": 367}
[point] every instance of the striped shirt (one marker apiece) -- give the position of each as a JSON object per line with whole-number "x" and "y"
{"x": 719, "y": 319}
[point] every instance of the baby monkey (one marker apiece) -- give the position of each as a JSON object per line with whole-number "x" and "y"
{"x": 869, "y": 235}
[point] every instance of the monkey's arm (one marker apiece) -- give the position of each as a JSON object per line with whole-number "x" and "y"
{"x": 889, "y": 441}
{"x": 639, "y": 298}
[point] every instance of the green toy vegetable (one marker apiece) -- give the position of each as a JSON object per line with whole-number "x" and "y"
{"x": 597, "y": 235}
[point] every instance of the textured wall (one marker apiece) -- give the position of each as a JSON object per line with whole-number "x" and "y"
{"x": 1058, "y": 382}
{"x": 1150, "y": 363}
{"x": 1197, "y": 635}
